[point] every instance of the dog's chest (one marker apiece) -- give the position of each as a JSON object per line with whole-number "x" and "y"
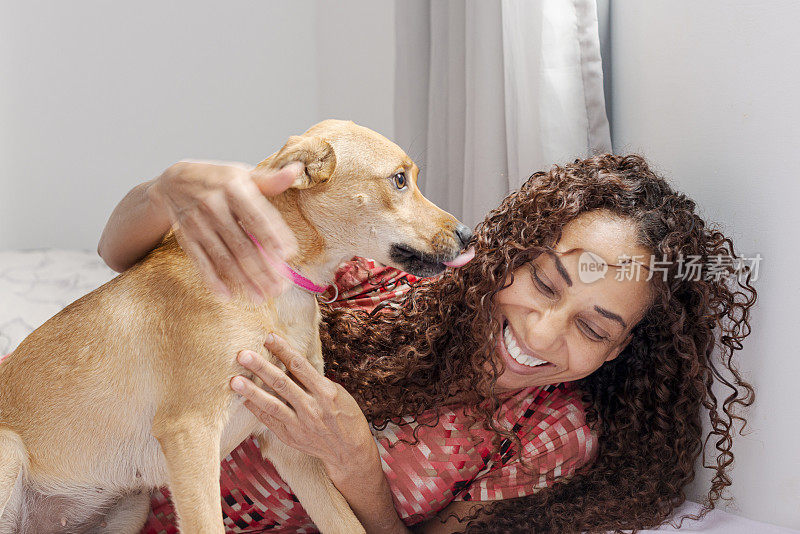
{"x": 294, "y": 316}
{"x": 297, "y": 309}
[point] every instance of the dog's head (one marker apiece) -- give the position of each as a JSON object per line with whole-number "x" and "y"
{"x": 359, "y": 193}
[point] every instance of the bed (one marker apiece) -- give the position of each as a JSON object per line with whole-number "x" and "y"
{"x": 36, "y": 284}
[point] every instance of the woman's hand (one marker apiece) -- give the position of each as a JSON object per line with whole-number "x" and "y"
{"x": 208, "y": 200}
{"x": 320, "y": 419}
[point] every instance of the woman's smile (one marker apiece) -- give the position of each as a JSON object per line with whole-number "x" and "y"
{"x": 517, "y": 356}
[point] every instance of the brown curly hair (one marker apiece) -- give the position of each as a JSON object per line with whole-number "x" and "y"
{"x": 435, "y": 343}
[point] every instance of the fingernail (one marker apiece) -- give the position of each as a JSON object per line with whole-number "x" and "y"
{"x": 270, "y": 338}
{"x": 237, "y": 383}
{"x": 245, "y": 358}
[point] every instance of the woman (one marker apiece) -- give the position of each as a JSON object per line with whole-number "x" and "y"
{"x": 541, "y": 387}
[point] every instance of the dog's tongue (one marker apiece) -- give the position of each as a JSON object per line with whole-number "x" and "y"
{"x": 461, "y": 259}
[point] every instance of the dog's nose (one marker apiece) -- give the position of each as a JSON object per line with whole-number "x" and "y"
{"x": 464, "y": 234}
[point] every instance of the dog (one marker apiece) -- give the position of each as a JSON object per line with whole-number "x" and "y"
{"x": 127, "y": 388}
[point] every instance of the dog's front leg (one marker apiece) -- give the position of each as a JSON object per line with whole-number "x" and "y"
{"x": 191, "y": 446}
{"x": 306, "y": 475}
{"x": 309, "y": 481}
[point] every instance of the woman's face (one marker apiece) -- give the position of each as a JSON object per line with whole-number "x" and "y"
{"x": 559, "y": 325}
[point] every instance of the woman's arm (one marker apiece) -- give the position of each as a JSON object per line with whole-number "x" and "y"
{"x": 207, "y": 201}
{"x": 134, "y": 228}
{"x": 363, "y": 484}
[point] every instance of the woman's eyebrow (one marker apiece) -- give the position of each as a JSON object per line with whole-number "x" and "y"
{"x": 561, "y": 270}
{"x": 611, "y": 315}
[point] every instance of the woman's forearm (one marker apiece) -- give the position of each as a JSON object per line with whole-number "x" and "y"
{"x": 134, "y": 228}
{"x": 366, "y": 489}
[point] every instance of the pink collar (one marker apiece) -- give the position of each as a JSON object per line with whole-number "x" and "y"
{"x": 296, "y": 278}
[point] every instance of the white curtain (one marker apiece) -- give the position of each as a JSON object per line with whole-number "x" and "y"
{"x": 489, "y": 91}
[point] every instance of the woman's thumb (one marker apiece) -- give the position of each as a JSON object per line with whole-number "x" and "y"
{"x": 272, "y": 183}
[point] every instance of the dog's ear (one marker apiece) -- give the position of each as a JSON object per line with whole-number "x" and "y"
{"x": 314, "y": 152}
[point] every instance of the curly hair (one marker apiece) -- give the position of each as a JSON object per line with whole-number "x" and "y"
{"x": 436, "y": 343}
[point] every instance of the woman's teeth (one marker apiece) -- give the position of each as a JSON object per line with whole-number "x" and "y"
{"x": 516, "y": 352}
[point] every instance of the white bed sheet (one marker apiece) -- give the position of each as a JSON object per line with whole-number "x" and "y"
{"x": 36, "y": 284}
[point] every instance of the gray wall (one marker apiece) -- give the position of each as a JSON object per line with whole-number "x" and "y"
{"x": 98, "y": 96}
{"x": 708, "y": 91}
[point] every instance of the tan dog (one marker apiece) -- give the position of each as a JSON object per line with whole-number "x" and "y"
{"x": 127, "y": 388}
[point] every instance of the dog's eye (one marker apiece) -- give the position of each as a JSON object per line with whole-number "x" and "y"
{"x": 399, "y": 180}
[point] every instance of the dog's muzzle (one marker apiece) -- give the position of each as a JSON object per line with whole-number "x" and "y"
{"x": 424, "y": 264}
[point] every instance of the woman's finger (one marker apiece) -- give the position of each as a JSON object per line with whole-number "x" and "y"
{"x": 271, "y": 182}
{"x": 203, "y": 263}
{"x": 262, "y": 219}
{"x": 198, "y": 232}
{"x": 277, "y": 426}
{"x": 262, "y": 403}
{"x": 252, "y": 263}
{"x": 275, "y": 379}
{"x": 300, "y": 367}
{"x": 186, "y": 238}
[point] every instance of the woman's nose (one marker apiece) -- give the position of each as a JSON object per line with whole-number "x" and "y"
{"x": 544, "y": 334}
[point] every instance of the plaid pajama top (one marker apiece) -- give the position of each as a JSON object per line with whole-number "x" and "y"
{"x": 454, "y": 460}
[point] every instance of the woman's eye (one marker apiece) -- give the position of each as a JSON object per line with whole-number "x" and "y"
{"x": 543, "y": 287}
{"x": 590, "y": 333}
{"x": 399, "y": 180}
